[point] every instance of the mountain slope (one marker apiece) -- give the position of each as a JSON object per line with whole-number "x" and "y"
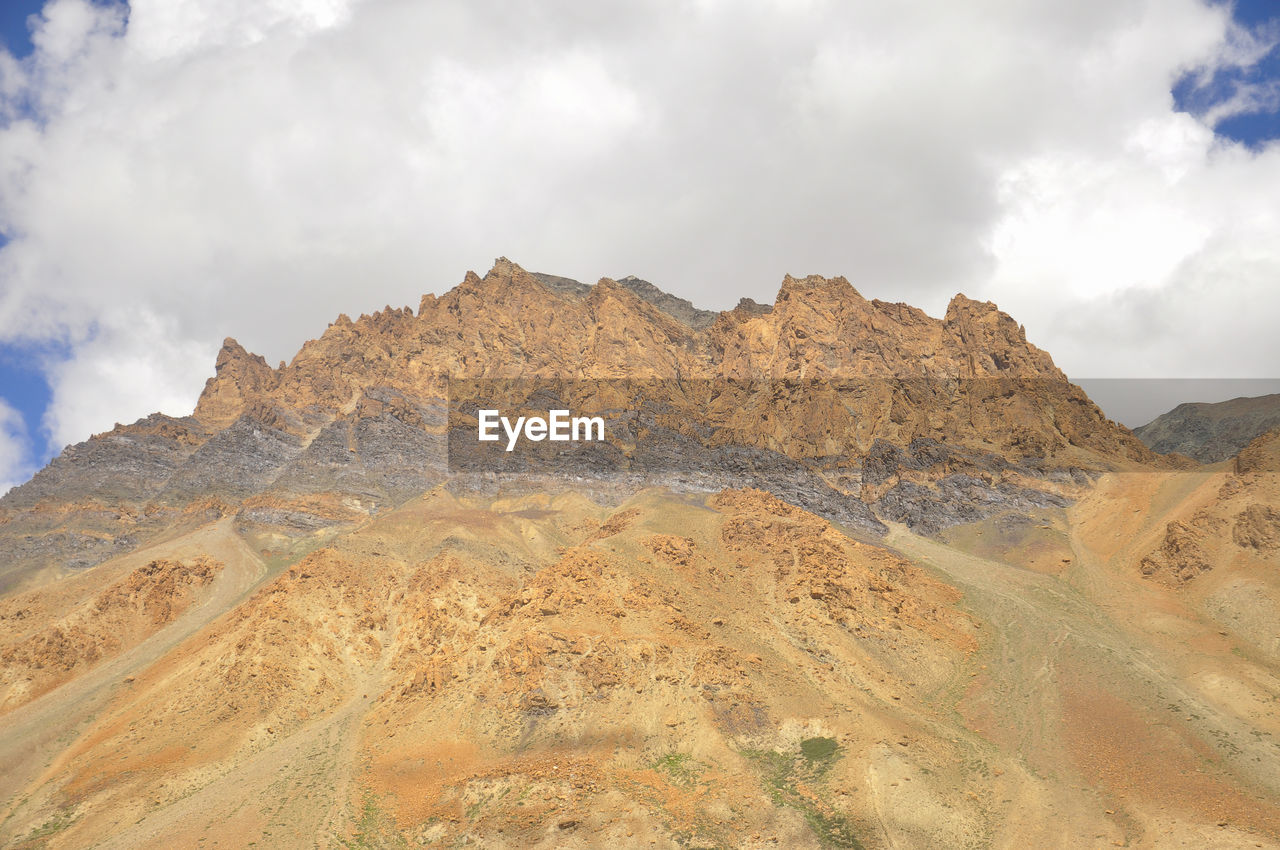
{"x": 840, "y": 575}
{"x": 594, "y": 661}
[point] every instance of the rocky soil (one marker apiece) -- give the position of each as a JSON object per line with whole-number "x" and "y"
{"x": 46, "y": 638}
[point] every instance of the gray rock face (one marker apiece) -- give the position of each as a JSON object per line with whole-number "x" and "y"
{"x": 125, "y": 464}
{"x": 1211, "y": 432}
{"x": 105, "y": 496}
{"x": 662, "y": 458}
{"x": 956, "y": 487}
{"x": 679, "y": 309}
{"x": 563, "y": 285}
{"x": 235, "y": 463}
{"x": 376, "y": 459}
{"x": 927, "y": 485}
{"x": 958, "y": 499}
{"x": 721, "y": 467}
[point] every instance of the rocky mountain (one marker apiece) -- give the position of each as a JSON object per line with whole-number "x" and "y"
{"x": 841, "y": 574}
{"x": 859, "y": 410}
{"x": 1211, "y": 432}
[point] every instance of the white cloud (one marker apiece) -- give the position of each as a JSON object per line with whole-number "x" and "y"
{"x": 176, "y": 28}
{"x": 135, "y": 361}
{"x": 1153, "y": 262}
{"x": 254, "y": 168}
{"x": 14, "y": 449}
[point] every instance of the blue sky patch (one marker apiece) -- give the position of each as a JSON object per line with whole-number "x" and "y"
{"x": 24, "y": 388}
{"x": 1258, "y": 121}
{"x": 13, "y": 24}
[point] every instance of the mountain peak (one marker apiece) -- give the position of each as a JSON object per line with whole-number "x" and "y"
{"x": 233, "y": 353}
{"x": 238, "y": 375}
{"x": 503, "y": 266}
{"x": 964, "y": 312}
{"x": 961, "y": 303}
{"x": 996, "y": 344}
{"x": 506, "y": 271}
{"x": 751, "y": 307}
{"x": 816, "y": 286}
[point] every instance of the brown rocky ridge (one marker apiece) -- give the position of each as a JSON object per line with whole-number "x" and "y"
{"x": 860, "y": 410}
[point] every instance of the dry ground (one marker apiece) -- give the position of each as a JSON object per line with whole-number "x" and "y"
{"x": 693, "y": 671}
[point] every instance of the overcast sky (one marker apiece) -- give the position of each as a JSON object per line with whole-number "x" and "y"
{"x": 177, "y": 171}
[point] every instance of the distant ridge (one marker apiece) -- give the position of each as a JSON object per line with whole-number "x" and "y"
{"x": 1211, "y": 432}
{"x": 680, "y": 309}
{"x": 677, "y": 308}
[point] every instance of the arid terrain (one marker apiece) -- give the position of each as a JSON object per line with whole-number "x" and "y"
{"x": 845, "y": 575}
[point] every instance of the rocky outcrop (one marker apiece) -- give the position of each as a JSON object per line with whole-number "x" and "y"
{"x": 41, "y": 646}
{"x": 1180, "y": 558}
{"x": 239, "y": 377}
{"x": 1238, "y": 525}
{"x": 1261, "y": 455}
{"x": 1258, "y": 527}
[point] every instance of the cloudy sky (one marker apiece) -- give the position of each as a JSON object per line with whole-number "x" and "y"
{"x": 177, "y": 171}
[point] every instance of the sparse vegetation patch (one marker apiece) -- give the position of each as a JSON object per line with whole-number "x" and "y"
{"x": 795, "y": 780}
